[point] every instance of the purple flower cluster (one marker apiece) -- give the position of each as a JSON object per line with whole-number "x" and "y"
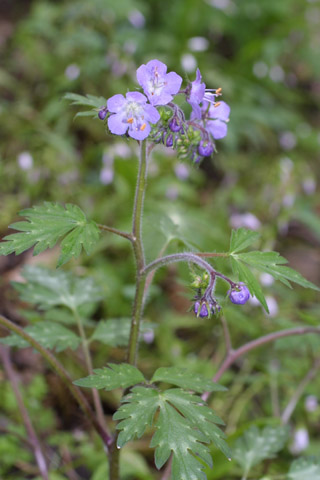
{"x": 154, "y": 115}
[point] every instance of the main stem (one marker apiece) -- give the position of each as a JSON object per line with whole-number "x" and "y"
{"x": 137, "y": 243}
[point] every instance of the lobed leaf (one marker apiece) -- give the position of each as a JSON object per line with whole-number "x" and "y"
{"x": 88, "y": 100}
{"x": 48, "y": 288}
{"x": 116, "y": 331}
{"x": 49, "y": 334}
{"x": 241, "y": 239}
{"x": 111, "y": 377}
{"x": 305, "y": 469}
{"x": 46, "y": 225}
{"x": 186, "y": 380}
{"x": 257, "y": 445}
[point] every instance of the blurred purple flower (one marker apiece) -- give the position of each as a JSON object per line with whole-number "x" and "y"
{"x": 158, "y": 85}
{"x": 216, "y": 117}
{"x": 131, "y": 114}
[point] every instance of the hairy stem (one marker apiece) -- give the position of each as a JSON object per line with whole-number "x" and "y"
{"x": 106, "y": 228}
{"x": 137, "y": 244}
{"x": 288, "y": 411}
{"x": 87, "y": 356}
{"x": 63, "y": 374}
{"x": 32, "y": 436}
{"x": 233, "y": 355}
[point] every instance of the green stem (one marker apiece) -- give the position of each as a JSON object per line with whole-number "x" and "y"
{"x": 61, "y": 372}
{"x": 88, "y": 360}
{"x": 137, "y": 244}
{"x": 106, "y": 228}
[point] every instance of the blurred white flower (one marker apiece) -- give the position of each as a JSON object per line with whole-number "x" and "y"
{"x": 287, "y": 140}
{"x": 260, "y": 69}
{"x": 198, "y": 44}
{"x": 311, "y": 403}
{"x": 246, "y": 220}
{"x": 148, "y": 336}
{"x": 276, "y": 73}
{"x": 300, "y": 441}
{"x": 220, "y": 4}
{"x": 172, "y": 193}
{"x": 288, "y": 200}
{"x": 25, "y": 160}
{"x": 182, "y": 171}
{"x": 106, "y": 175}
{"x": 266, "y": 279}
{"x": 136, "y": 19}
{"x": 272, "y": 306}
{"x": 72, "y": 71}
{"x": 309, "y": 185}
{"x": 188, "y": 62}
{"x": 121, "y": 150}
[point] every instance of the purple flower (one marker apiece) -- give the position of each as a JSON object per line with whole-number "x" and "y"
{"x": 174, "y": 125}
{"x": 203, "y": 310}
{"x": 196, "y": 91}
{"x": 168, "y": 140}
{"x": 216, "y": 115}
{"x": 158, "y": 85}
{"x": 240, "y": 294}
{"x": 103, "y": 113}
{"x": 131, "y": 113}
{"x": 205, "y": 149}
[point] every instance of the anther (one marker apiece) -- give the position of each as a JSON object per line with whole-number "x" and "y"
{"x": 130, "y": 120}
{"x": 218, "y": 91}
{"x": 143, "y": 126}
{"x": 217, "y": 104}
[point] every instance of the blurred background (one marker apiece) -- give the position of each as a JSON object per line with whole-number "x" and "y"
{"x": 265, "y": 56}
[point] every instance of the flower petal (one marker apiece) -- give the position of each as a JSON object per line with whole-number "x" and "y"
{"x": 136, "y": 97}
{"x": 139, "y": 134}
{"x": 173, "y": 81}
{"x": 115, "y": 103}
{"x": 156, "y": 65}
{"x": 151, "y": 114}
{"x": 221, "y": 112}
{"x": 217, "y": 128}
{"x": 117, "y": 124}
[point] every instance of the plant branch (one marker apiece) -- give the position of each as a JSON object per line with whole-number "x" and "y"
{"x": 288, "y": 411}
{"x": 106, "y": 228}
{"x": 33, "y": 438}
{"x": 63, "y": 374}
{"x": 233, "y": 355}
{"x": 211, "y": 254}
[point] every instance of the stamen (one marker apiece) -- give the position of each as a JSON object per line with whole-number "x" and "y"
{"x": 217, "y": 104}
{"x": 218, "y": 91}
{"x": 130, "y": 120}
{"x": 143, "y": 126}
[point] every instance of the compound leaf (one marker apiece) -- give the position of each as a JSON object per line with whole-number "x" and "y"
{"x": 116, "y": 331}
{"x": 305, "y": 468}
{"x": 111, "y": 377}
{"x": 257, "y": 445}
{"x": 50, "y": 288}
{"x": 48, "y": 223}
{"x": 186, "y": 380}
{"x": 49, "y": 334}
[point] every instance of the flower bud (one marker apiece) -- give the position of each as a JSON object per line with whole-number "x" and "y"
{"x": 240, "y": 294}
{"x": 103, "y": 113}
{"x": 205, "y": 149}
{"x": 168, "y": 140}
{"x": 174, "y": 125}
{"x": 201, "y": 310}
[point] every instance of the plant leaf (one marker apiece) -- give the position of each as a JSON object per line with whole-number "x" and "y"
{"x": 186, "y": 380}
{"x": 184, "y": 427}
{"x": 111, "y": 377}
{"x": 48, "y": 223}
{"x": 305, "y": 469}
{"x": 49, "y": 334}
{"x": 241, "y": 239}
{"x": 246, "y": 276}
{"x": 257, "y": 445}
{"x": 88, "y": 100}
{"x": 116, "y": 331}
{"x": 136, "y": 413}
{"x": 50, "y": 288}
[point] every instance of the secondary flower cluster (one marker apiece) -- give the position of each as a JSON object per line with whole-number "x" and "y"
{"x": 206, "y": 305}
{"x": 155, "y": 115}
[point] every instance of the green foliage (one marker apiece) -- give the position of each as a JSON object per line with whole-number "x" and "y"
{"x": 111, "y": 377}
{"x": 47, "y": 288}
{"x": 258, "y": 445}
{"x": 89, "y": 101}
{"x": 49, "y": 334}
{"x": 186, "y": 380}
{"x": 116, "y": 331}
{"x": 48, "y": 223}
{"x": 184, "y": 427}
{"x": 305, "y": 469}
{"x": 269, "y": 262}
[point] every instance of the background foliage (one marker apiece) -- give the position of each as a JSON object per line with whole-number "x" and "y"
{"x": 265, "y": 57}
